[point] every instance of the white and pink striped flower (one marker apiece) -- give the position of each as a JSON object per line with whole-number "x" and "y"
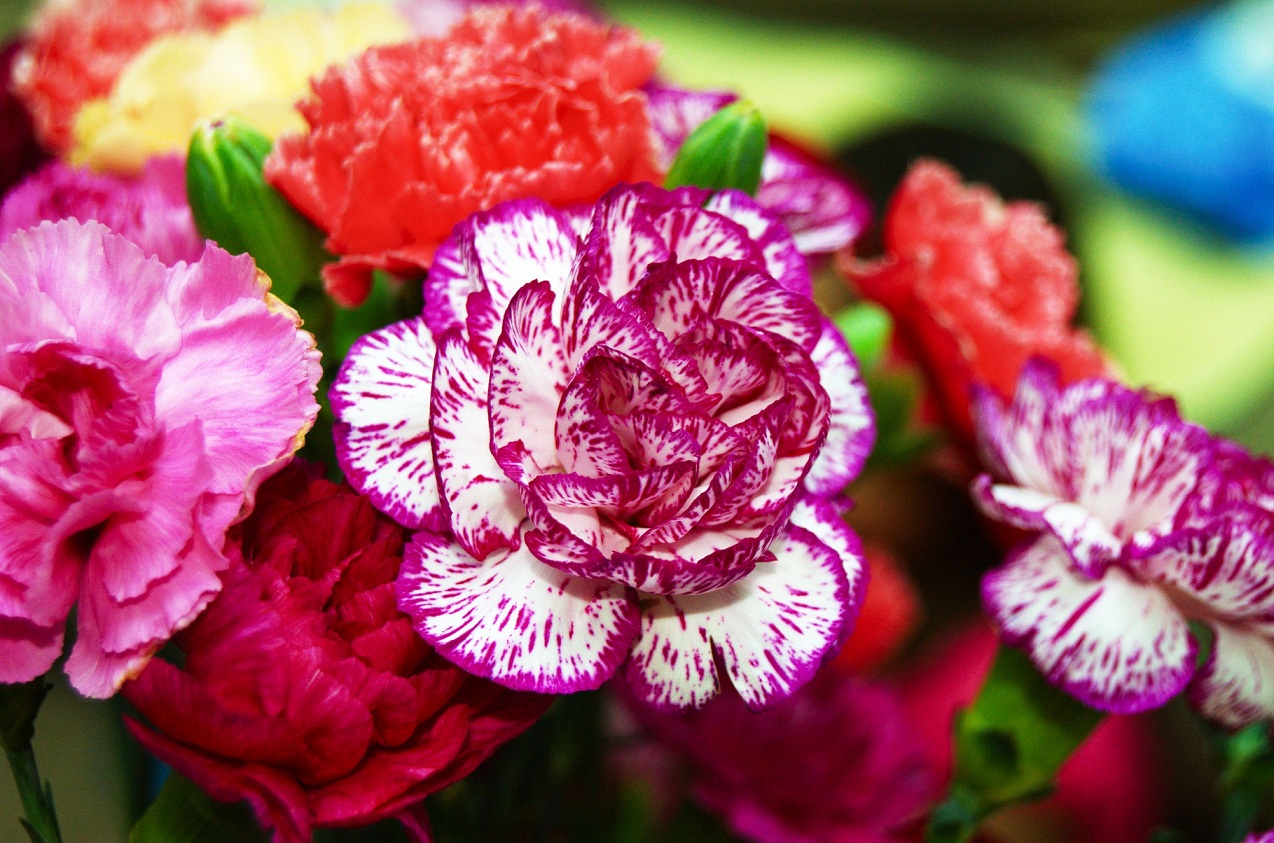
{"x": 1142, "y": 524}
{"x": 620, "y": 433}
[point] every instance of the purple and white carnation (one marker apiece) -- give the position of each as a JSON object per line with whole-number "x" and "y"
{"x": 620, "y": 433}
{"x": 820, "y": 207}
{"x": 1143, "y": 523}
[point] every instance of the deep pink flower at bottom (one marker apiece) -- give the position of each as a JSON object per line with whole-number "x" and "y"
{"x": 838, "y": 762}
{"x": 304, "y": 690}
{"x": 150, "y": 210}
{"x": 140, "y": 407}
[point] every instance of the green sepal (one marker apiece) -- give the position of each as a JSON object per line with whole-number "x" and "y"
{"x": 1009, "y": 745}
{"x": 233, "y": 205}
{"x": 183, "y": 813}
{"x": 867, "y": 327}
{"x": 727, "y": 151}
{"x": 19, "y": 705}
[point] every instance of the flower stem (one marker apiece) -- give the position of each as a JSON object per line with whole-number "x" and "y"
{"x": 19, "y": 705}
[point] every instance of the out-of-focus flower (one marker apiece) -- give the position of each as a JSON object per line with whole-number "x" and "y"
{"x": 256, "y": 67}
{"x": 1118, "y": 757}
{"x": 77, "y": 49}
{"x": 838, "y": 762}
{"x": 140, "y": 406}
{"x": 1123, "y": 559}
{"x": 820, "y": 207}
{"x": 406, "y": 141}
{"x": 1267, "y": 837}
{"x": 1184, "y": 113}
{"x": 304, "y": 690}
{"x": 890, "y": 614}
{"x": 150, "y": 210}
{"x": 632, "y": 427}
{"x": 435, "y": 17}
{"x": 976, "y": 288}
{"x": 19, "y": 151}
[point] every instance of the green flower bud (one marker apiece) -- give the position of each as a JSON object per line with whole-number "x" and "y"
{"x": 725, "y": 152}
{"x": 233, "y": 205}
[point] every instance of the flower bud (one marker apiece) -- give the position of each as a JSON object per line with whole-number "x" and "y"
{"x": 725, "y": 152}
{"x": 233, "y": 205}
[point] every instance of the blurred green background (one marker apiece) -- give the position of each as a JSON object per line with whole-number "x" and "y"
{"x": 994, "y": 85}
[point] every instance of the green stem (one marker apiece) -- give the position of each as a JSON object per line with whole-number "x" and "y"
{"x": 41, "y": 820}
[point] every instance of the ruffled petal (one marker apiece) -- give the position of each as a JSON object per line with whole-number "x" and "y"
{"x": 381, "y": 400}
{"x": 782, "y": 258}
{"x": 1235, "y": 686}
{"x": 515, "y": 620}
{"x": 1113, "y": 643}
{"x": 852, "y": 430}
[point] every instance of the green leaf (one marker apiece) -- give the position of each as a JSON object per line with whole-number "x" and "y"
{"x": 1009, "y": 744}
{"x": 867, "y": 327}
{"x": 233, "y": 205}
{"x": 725, "y": 152}
{"x": 182, "y": 813}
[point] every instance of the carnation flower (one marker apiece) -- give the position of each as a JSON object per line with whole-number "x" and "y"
{"x": 976, "y": 288}
{"x": 78, "y": 48}
{"x": 408, "y": 140}
{"x": 304, "y": 690}
{"x": 19, "y": 151}
{"x": 630, "y": 423}
{"x": 821, "y": 209}
{"x": 1130, "y": 546}
{"x": 838, "y": 762}
{"x": 150, "y": 210}
{"x": 435, "y": 17}
{"x": 256, "y": 67}
{"x": 140, "y": 406}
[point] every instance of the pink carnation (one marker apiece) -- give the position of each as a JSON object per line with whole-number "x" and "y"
{"x": 140, "y": 405}
{"x": 151, "y": 210}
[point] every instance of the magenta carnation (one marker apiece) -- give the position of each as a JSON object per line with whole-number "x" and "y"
{"x": 140, "y": 405}
{"x": 617, "y": 431}
{"x": 304, "y": 690}
{"x": 150, "y": 210}
{"x": 1143, "y": 524}
{"x": 838, "y": 762}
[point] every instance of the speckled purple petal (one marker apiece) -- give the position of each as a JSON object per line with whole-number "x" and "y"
{"x": 515, "y": 620}
{"x": 676, "y": 112}
{"x": 484, "y": 505}
{"x": 621, "y": 243}
{"x": 528, "y": 375}
{"x": 1113, "y": 643}
{"x": 590, "y": 320}
{"x": 783, "y": 259}
{"x": 819, "y": 206}
{"x": 1235, "y": 686}
{"x": 770, "y": 630}
{"x": 852, "y": 430}
{"x": 381, "y": 401}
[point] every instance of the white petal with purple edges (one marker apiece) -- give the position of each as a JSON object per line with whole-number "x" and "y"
{"x": 483, "y": 503}
{"x": 771, "y": 629}
{"x": 591, "y": 320}
{"x": 1113, "y": 643}
{"x": 447, "y": 288}
{"x": 823, "y": 518}
{"x": 1235, "y": 686}
{"x": 381, "y": 403}
{"x": 783, "y": 259}
{"x": 852, "y": 431}
{"x": 621, "y": 242}
{"x": 514, "y": 619}
{"x": 528, "y": 375}
{"x": 823, "y": 212}
{"x": 1024, "y": 441}
{"x": 516, "y": 243}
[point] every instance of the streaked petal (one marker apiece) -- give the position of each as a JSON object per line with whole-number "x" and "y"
{"x": 1113, "y": 643}
{"x": 852, "y": 430}
{"x": 782, "y": 259}
{"x": 381, "y": 400}
{"x": 1235, "y": 686}
{"x": 514, "y": 619}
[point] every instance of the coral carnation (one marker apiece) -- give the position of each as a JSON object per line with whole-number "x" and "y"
{"x": 408, "y": 140}
{"x": 140, "y": 406}
{"x": 79, "y": 47}
{"x": 304, "y": 690}
{"x": 976, "y": 288}
{"x": 150, "y": 210}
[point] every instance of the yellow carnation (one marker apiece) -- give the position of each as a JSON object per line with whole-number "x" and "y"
{"x": 257, "y": 67}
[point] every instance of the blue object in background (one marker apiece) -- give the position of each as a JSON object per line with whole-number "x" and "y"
{"x": 1184, "y": 113}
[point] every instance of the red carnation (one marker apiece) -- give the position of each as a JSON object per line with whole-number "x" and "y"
{"x": 407, "y": 140}
{"x": 976, "y": 288}
{"x": 304, "y": 690}
{"x": 79, "y": 47}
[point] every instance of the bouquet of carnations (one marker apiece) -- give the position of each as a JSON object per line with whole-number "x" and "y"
{"x": 422, "y": 417}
